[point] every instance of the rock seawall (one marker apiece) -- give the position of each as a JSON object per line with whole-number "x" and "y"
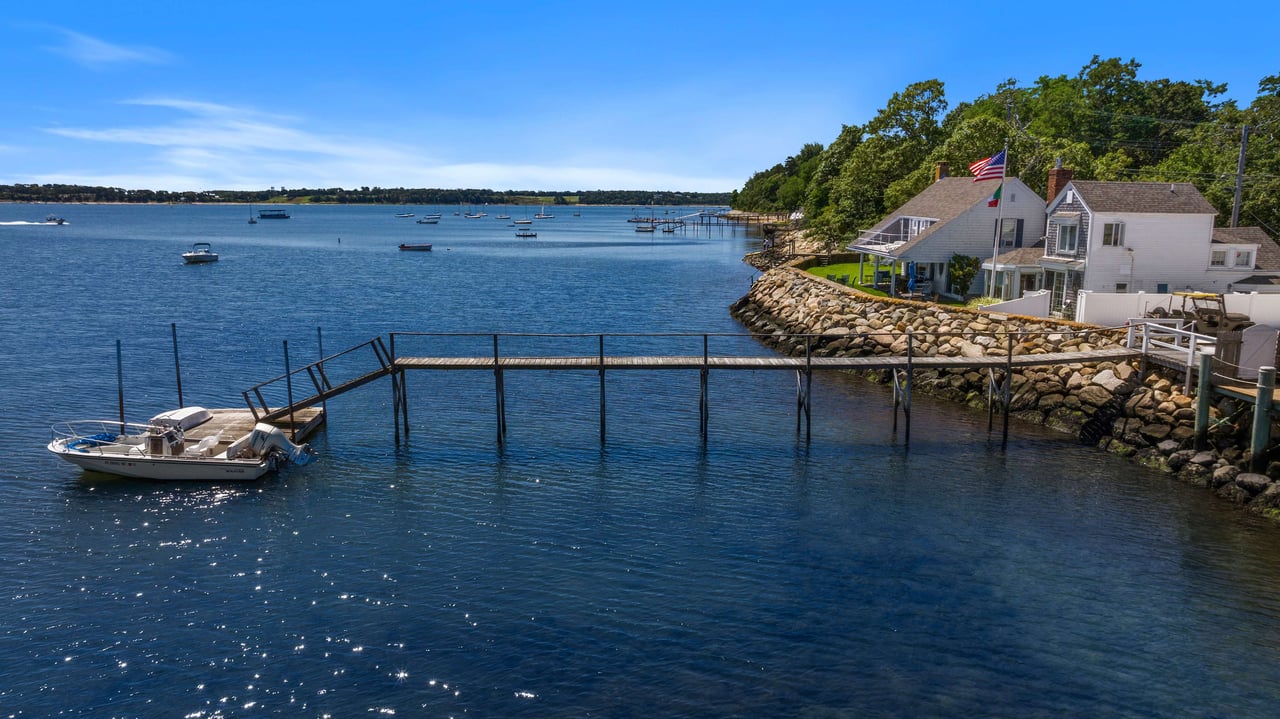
{"x": 1113, "y": 405}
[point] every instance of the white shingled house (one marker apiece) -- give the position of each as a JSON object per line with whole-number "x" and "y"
{"x": 953, "y": 216}
{"x": 1120, "y": 237}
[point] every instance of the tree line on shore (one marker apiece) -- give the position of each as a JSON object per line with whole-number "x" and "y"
{"x": 1103, "y": 123}
{"x": 360, "y": 196}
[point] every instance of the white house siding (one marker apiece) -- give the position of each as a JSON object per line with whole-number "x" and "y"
{"x": 1169, "y": 249}
{"x": 972, "y": 233}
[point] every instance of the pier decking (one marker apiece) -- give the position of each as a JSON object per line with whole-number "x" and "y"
{"x": 759, "y": 363}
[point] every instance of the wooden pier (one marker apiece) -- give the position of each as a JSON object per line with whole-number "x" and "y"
{"x": 273, "y": 401}
{"x": 325, "y": 382}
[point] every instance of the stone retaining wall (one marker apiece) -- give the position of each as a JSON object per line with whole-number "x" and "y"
{"x": 1109, "y": 404}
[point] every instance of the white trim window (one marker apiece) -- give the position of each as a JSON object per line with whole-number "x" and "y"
{"x": 1218, "y": 258}
{"x": 1068, "y": 239}
{"x": 1113, "y": 234}
{"x": 1244, "y": 259}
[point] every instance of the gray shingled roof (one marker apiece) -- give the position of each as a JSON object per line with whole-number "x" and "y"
{"x": 1022, "y": 256}
{"x": 1268, "y": 251}
{"x": 943, "y": 200}
{"x": 1143, "y": 197}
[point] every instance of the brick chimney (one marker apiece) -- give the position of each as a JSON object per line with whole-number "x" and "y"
{"x": 940, "y": 171}
{"x": 1059, "y": 176}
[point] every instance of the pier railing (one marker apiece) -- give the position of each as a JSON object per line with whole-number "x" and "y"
{"x": 324, "y": 378}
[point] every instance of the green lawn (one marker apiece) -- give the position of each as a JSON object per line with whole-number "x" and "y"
{"x": 868, "y": 272}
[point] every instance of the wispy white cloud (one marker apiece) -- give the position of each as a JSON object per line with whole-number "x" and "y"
{"x": 215, "y": 146}
{"x": 97, "y": 54}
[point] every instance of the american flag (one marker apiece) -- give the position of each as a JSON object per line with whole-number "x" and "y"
{"x": 991, "y": 168}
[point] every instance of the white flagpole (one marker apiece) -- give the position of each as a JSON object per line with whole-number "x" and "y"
{"x": 995, "y": 249}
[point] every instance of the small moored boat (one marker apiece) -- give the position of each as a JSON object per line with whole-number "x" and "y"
{"x": 200, "y": 253}
{"x": 428, "y": 220}
{"x": 404, "y": 214}
{"x": 162, "y": 449}
{"x": 526, "y": 233}
{"x": 273, "y": 214}
{"x": 419, "y": 247}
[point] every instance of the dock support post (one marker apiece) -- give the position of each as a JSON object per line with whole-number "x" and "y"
{"x": 120, "y": 383}
{"x": 602, "y": 396}
{"x": 177, "y": 369}
{"x": 499, "y": 394}
{"x": 404, "y": 401}
{"x": 396, "y": 409}
{"x": 288, "y": 383}
{"x": 703, "y": 399}
{"x": 324, "y": 402}
{"x": 804, "y": 386}
{"x": 991, "y": 399}
{"x": 1008, "y": 392}
{"x": 1204, "y": 398}
{"x": 1262, "y": 417}
{"x": 906, "y": 437}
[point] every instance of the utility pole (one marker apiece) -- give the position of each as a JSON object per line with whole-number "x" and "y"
{"x": 1235, "y": 207}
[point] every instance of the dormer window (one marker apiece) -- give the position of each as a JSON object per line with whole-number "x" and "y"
{"x": 1244, "y": 259}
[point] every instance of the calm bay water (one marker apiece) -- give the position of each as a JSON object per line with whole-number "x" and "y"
{"x": 760, "y": 575}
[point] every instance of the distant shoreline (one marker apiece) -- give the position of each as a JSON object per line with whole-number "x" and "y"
{"x": 352, "y": 204}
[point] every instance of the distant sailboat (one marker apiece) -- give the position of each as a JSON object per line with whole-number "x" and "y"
{"x": 543, "y": 214}
{"x": 252, "y": 220}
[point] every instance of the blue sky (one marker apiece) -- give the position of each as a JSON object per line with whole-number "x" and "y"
{"x": 691, "y": 96}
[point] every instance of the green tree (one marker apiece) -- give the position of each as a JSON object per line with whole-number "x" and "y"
{"x": 962, "y": 270}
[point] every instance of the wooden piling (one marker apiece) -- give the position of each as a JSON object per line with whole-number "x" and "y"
{"x": 1204, "y": 398}
{"x": 1262, "y": 417}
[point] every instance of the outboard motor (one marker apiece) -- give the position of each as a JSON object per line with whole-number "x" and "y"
{"x": 266, "y": 439}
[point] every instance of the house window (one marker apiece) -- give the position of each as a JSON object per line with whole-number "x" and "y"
{"x": 916, "y": 225}
{"x": 1244, "y": 259}
{"x": 1113, "y": 234}
{"x": 1010, "y": 232}
{"x": 1122, "y": 287}
{"x": 1067, "y": 237}
{"x": 1162, "y": 288}
{"x": 1218, "y": 258}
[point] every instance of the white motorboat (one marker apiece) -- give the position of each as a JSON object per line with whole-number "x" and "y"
{"x": 201, "y": 252}
{"x": 159, "y": 448}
